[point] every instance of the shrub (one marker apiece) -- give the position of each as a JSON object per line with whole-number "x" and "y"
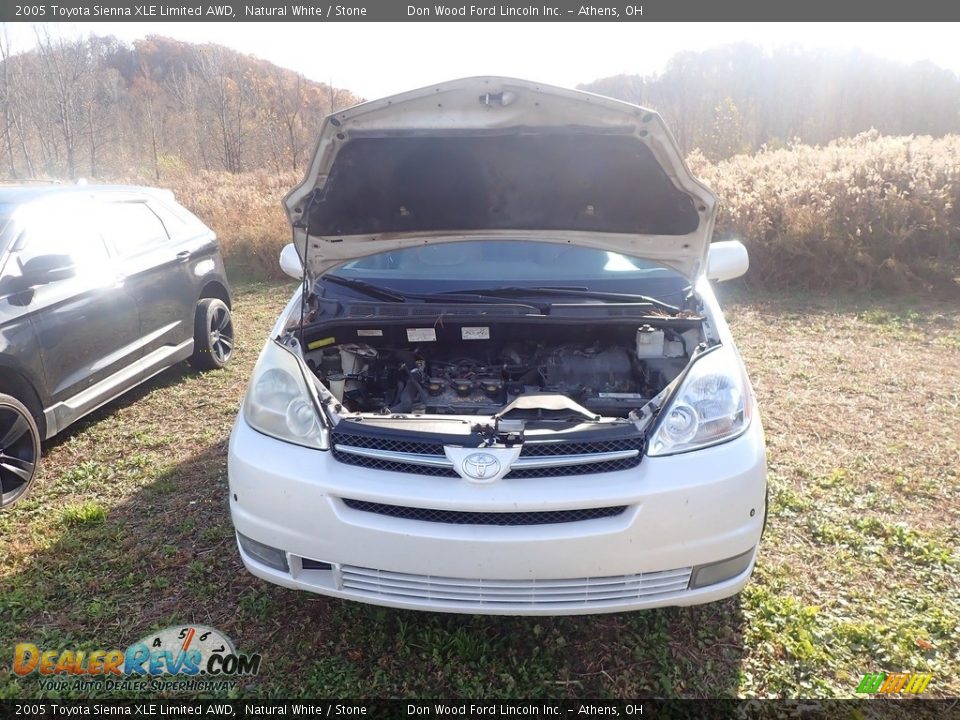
{"x": 867, "y": 212}
{"x": 245, "y": 211}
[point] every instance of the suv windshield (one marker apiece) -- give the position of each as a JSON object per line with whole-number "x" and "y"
{"x": 494, "y": 263}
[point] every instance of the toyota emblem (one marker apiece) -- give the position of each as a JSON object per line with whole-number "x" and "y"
{"x": 481, "y": 466}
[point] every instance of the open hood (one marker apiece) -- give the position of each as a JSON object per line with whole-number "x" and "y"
{"x": 499, "y": 158}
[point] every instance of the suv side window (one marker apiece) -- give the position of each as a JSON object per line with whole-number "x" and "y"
{"x": 176, "y": 226}
{"x": 132, "y": 228}
{"x": 67, "y": 231}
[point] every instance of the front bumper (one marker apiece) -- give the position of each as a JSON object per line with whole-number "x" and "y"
{"x": 683, "y": 511}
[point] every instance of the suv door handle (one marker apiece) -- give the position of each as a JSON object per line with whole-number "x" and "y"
{"x": 184, "y": 255}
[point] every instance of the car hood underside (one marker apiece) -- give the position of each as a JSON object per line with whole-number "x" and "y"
{"x": 499, "y": 158}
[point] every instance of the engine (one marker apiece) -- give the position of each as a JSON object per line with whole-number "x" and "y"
{"x": 480, "y": 378}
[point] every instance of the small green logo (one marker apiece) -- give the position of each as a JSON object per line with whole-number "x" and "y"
{"x": 910, "y": 683}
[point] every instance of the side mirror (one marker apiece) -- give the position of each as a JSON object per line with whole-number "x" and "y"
{"x": 290, "y": 262}
{"x": 727, "y": 260}
{"x": 46, "y": 269}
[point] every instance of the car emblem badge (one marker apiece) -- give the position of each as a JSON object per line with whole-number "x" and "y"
{"x": 481, "y": 466}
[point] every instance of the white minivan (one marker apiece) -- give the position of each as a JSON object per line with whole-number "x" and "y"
{"x": 505, "y": 385}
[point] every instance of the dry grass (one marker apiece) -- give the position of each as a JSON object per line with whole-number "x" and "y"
{"x": 128, "y": 530}
{"x": 245, "y": 211}
{"x": 865, "y": 212}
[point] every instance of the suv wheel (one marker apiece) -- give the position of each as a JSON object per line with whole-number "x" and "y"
{"x": 212, "y": 335}
{"x": 19, "y": 449}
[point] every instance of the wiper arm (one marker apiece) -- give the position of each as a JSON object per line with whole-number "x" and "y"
{"x": 568, "y": 290}
{"x": 496, "y": 294}
{"x": 366, "y": 288}
{"x": 620, "y": 297}
{"x": 383, "y": 293}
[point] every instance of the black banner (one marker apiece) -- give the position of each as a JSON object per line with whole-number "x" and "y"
{"x": 480, "y": 11}
{"x": 881, "y": 709}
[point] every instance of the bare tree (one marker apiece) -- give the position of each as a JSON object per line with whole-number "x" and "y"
{"x": 227, "y": 92}
{"x": 15, "y": 106}
{"x": 189, "y": 105}
{"x": 100, "y": 96}
{"x": 290, "y": 102}
{"x": 147, "y": 94}
{"x": 66, "y": 69}
{"x": 8, "y": 101}
{"x": 101, "y": 107}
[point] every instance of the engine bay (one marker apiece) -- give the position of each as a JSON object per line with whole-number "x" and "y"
{"x": 609, "y": 369}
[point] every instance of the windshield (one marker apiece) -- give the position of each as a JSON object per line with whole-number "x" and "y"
{"x": 6, "y": 210}
{"x": 495, "y": 263}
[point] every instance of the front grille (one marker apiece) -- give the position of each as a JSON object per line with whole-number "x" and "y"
{"x": 458, "y": 517}
{"x": 600, "y": 467}
{"x": 568, "y": 447}
{"x": 563, "y": 447}
{"x": 530, "y": 449}
{"x": 375, "y": 442}
{"x": 556, "y": 594}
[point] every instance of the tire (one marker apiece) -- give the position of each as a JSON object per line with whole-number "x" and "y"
{"x": 19, "y": 450}
{"x": 212, "y": 335}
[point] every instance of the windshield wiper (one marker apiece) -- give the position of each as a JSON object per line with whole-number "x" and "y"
{"x": 366, "y": 288}
{"x": 564, "y": 290}
{"x": 384, "y": 293}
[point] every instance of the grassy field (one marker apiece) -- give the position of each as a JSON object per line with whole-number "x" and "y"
{"x": 127, "y": 530}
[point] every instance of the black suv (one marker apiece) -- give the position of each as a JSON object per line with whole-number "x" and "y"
{"x": 101, "y": 287}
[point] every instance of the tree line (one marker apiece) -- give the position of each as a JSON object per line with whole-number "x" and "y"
{"x": 97, "y": 107}
{"x": 738, "y": 98}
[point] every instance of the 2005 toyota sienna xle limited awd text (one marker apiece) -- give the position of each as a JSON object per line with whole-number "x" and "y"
{"x": 505, "y": 385}
{"x": 101, "y": 287}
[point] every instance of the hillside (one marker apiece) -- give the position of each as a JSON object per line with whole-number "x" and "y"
{"x": 100, "y": 108}
{"x": 738, "y": 98}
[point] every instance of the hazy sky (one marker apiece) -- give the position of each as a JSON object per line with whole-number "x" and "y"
{"x": 376, "y": 59}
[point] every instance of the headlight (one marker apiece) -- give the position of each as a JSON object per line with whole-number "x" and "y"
{"x": 712, "y": 405}
{"x": 280, "y": 402}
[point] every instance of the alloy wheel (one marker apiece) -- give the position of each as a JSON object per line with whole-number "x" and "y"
{"x": 18, "y": 454}
{"x": 221, "y": 335}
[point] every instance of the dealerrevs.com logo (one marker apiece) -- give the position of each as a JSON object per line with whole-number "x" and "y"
{"x": 186, "y": 657}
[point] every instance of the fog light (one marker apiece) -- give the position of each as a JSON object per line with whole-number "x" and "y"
{"x": 264, "y": 554}
{"x": 717, "y": 572}
{"x": 308, "y": 564}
